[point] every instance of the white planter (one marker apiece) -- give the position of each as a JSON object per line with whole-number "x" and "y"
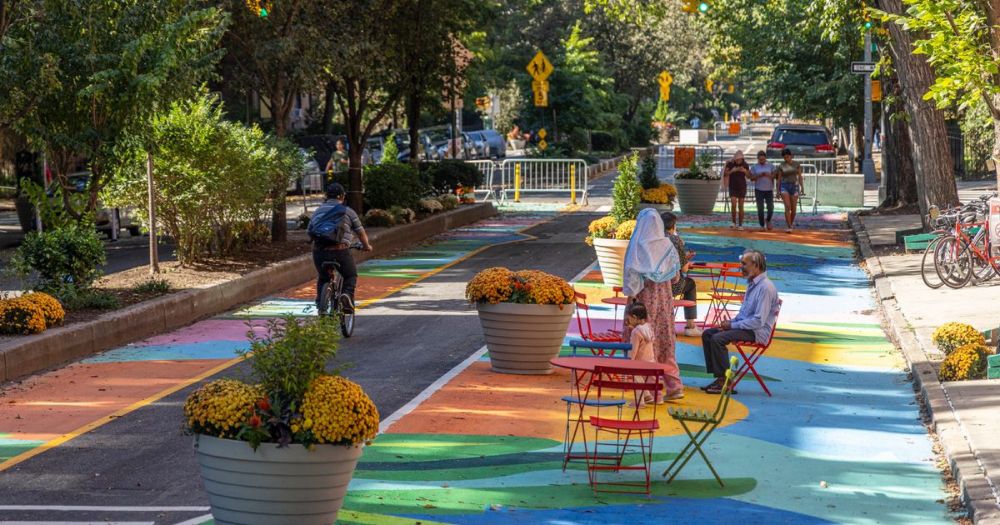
{"x": 274, "y": 486}
{"x": 697, "y": 197}
{"x": 611, "y": 258}
{"x": 521, "y": 338}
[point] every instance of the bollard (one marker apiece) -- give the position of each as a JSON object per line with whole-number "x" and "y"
{"x": 517, "y": 183}
{"x": 572, "y": 184}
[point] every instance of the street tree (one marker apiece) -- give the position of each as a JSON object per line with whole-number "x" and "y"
{"x": 961, "y": 41}
{"x": 27, "y": 71}
{"x": 932, "y": 162}
{"x": 278, "y": 57}
{"x": 116, "y": 62}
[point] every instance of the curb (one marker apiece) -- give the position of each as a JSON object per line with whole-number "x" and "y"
{"x": 53, "y": 347}
{"x": 976, "y": 490}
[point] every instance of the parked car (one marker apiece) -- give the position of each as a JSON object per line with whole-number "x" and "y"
{"x": 102, "y": 217}
{"x": 478, "y": 143}
{"x": 804, "y": 140}
{"x": 373, "y": 150}
{"x": 496, "y": 143}
{"x": 312, "y": 176}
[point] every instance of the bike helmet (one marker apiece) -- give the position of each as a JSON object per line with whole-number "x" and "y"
{"x": 335, "y": 191}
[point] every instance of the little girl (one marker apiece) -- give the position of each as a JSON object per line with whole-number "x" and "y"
{"x": 642, "y": 349}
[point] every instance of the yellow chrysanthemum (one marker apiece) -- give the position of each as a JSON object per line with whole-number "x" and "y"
{"x": 21, "y": 316}
{"x": 965, "y": 362}
{"x": 661, "y": 195}
{"x": 338, "y": 411}
{"x": 624, "y": 230}
{"x": 220, "y": 408}
{"x": 950, "y": 336}
{"x": 51, "y": 308}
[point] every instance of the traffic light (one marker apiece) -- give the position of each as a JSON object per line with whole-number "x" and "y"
{"x": 703, "y": 7}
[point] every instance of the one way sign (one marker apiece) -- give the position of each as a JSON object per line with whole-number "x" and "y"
{"x": 862, "y": 68}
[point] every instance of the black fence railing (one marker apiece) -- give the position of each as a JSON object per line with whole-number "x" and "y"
{"x": 968, "y": 164}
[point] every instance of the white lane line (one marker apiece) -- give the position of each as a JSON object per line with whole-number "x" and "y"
{"x": 430, "y": 390}
{"x": 196, "y": 521}
{"x": 91, "y": 508}
{"x": 77, "y": 523}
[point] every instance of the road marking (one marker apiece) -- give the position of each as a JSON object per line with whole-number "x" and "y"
{"x": 160, "y": 395}
{"x": 77, "y": 523}
{"x": 430, "y": 390}
{"x": 196, "y": 521}
{"x": 109, "y": 418}
{"x": 94, "y": 508}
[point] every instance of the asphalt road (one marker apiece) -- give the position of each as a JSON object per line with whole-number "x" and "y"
{"x": 401, "y": 345}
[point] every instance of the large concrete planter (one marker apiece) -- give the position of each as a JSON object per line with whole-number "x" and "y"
{"x": 611, "y": 258}
{"x": 521, "y": 338}
{"x": 274, "y": 486}
{"x": 697, "y": 197}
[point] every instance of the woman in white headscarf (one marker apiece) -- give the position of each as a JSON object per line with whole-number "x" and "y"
{"x": 651, "y": 265}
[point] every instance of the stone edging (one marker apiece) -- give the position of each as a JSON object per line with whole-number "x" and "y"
{"x": 35, "y": 353}
{"x": 976, "y": 491}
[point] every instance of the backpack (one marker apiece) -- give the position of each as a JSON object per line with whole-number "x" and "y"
{"x": 328, "y": 224}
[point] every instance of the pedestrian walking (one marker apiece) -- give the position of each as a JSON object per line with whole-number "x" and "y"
{"x": 338, "y": 161}
{"x": 789, "y": 175}
{"x": 762, "y": 175}
{"x": 734, "y": 176}
{"x": 651, "y": 265}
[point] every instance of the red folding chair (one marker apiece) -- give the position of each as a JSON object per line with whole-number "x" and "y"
{"x": 726, "y": 295}
{"x": 629, "y": 427}
{"x": 751, "y": 351}
{"x": 587, "y": 334}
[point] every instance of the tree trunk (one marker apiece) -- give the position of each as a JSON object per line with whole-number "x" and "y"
{"x": 897, "y": 155}
{"x": 413, "y": 104}
{"x": 859, "y": 147}
{"x": 932, "y": 160}
{"x": 328, "y": 108}
{"x": 279, "y": 226}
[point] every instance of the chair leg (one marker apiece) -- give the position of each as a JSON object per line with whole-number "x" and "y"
{"x": 748, "y": 366}
{"x": 697, "y": 439}
{"x": 684, "y": 451}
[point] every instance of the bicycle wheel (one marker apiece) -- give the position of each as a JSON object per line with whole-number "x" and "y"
{"x": 953, "y": 263}
{"x": 982, "y": 270}
{"x": 325, "y": 298}
{"x": 346, "y": 315}
{"x": 927, "y": 270}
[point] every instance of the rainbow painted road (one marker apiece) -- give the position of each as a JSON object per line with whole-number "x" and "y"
{"x": 840, "y": 442}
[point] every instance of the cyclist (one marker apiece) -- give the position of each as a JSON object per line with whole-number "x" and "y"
{"x": 336, "y": 247}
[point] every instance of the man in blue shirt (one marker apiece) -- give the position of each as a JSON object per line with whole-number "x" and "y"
{"x": 753, "y": 322}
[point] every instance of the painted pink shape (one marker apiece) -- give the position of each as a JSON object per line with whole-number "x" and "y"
{"x": 208, "y": 330}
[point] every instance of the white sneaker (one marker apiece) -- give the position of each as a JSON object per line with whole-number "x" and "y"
{"x": 692, "y": 332}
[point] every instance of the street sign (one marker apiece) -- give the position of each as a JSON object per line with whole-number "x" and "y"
{"x": 542, "y": 144}
{"x": 862, "y": 68}
{"x": 665, "y": 92}
{"x": 541, "y": 98}
{"x": 664, "y": 79}
{"x": 876, "y": 91}
{"x": 731, "y": 89}
{"x": 539, "y": 85}
{"x": 542, "y": 133}
{"x": 540, "y": 68}
{"x": 709, "y": 85}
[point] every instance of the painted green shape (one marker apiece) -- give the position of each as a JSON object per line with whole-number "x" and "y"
{"x": 993, "y": 372}
{"x": 495, "y": 467}
{"x": 447, "y": 501}
{"x": 10, "y": 448}
{"x": 355, "y": 517}
{"x": 407, "y": 448}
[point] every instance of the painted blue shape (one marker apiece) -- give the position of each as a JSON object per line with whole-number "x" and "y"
{"x": 172, "y": 352}
{"x": 676, "y": 511}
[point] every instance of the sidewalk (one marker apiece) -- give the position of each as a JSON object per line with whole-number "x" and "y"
{"x": 964, "y": 413}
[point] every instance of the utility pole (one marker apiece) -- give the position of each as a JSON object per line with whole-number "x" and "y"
{"x": 867, "y": 165}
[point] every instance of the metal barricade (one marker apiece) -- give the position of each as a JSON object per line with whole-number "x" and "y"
{"x": 544, "y": 176}
{"x": 489, "y": 187}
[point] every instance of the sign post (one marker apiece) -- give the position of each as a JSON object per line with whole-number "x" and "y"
{"x": 867, "y": 165}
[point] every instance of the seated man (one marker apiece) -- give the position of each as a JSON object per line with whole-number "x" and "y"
{"x": 684, "y": 286}
{"x": 753, "y": 322}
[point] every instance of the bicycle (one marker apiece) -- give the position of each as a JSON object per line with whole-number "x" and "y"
{"x": 965, "y": 253}
{"x": 332, "y": 296}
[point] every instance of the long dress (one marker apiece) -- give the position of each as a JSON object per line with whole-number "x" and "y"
{"x": 659, "y": 301}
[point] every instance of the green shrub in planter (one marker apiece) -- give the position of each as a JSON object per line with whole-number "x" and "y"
{"x": 445, "y": 176}
{"x": 448, "y": 201}
{"x": 393, "y": 184}
{"x": 377, "y": 217}
{"x": 647, "y": 173}
{"x": 71, "y": 255}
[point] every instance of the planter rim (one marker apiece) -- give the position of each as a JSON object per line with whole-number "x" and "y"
{"x": 293, "y": 449}
{"x": 506, "y": 306}
{"x": 610, "y": 242}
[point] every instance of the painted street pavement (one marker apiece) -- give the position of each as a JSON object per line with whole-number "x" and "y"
{"x": 840, "y": 441}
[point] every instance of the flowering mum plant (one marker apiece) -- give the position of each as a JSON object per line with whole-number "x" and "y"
{"x": 293, "y": 399}
{"x": 609, "y": 228}
{"x": 663, "y": 194}
{"x": 950, "y": 336}
{"x": 500, "y": 285}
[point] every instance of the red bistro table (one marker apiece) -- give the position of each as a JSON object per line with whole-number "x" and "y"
{"x": 582, "y": 368}
{"x": 617, "y": 301}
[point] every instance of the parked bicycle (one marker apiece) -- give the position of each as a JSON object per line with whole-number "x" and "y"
{"x": 962, "y": 252}
{"x": 332, "y": 300}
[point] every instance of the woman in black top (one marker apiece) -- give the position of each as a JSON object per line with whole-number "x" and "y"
{"x": 735, "y": 174}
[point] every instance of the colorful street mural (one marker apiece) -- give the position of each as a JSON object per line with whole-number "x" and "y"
{"x": 840, "y": 441}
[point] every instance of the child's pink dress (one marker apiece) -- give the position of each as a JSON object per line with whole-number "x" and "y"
{"x": 642, "y": 350}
